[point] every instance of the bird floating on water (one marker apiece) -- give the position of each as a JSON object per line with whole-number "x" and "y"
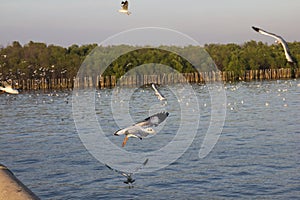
{"x": 280, "y": 40}
{"x": 157, "y": 93}
{"x": 127, "y": 175}
{"x": 143, "y": 128}
{"x": 124, "y": 5}
{"x": 8, "y": 88}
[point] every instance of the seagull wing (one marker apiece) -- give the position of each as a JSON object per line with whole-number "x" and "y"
{"x": 127, "y": 175}
{"x": 140, "y": 167}
{"x": 261, "y": 31}
{"x": 278, "y": 38}
{"x": 153, "y": 120}
{"x": 120, "y": 172}
{"x": 154, "y": 87}
{"x": 157, "y": 93}
{"x": 125, "y": 5}
{"x": 113, "y": 169}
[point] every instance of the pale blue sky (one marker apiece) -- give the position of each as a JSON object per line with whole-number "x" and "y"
{"x": 67, "y": 22}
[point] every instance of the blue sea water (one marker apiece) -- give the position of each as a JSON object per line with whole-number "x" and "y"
{"x": 255, "y": 157}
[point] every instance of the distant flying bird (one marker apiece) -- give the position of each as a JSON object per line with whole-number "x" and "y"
{"x": 142, "y": 129}
{"x": 127, "y": 175}
{"x": 157, "y": 93}
{"x": 8, "y": 88}
{"x": 280, "y": 40}
{"x": 124, "y": 5}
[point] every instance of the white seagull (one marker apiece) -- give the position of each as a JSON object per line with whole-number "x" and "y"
{"x": 124, "y": 5}
{"x": 8, "y": 88}
{"x": 142, "y": 129}
{"x": 280, "y": 40}
{"x": 157, "y": 93}
{"x": 127, "y": 175}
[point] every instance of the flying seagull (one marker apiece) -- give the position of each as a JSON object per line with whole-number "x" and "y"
{"x": 143, "y": 128}
{"x": 124, "y": 5}
{"x": 157, "y": 93}
{"x": 8, "y": 88}
{"x": 127, "y": 175}
{"x": 280, "y": 40}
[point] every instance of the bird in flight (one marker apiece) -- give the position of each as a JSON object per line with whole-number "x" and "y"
{"x": 143, "y": 128}
{"x": 6, "y": 87}
{"x": 124, "y": 5}
{"x": 157, "y": 93}
{"x": 280, "y": 40}
{"x": 128, "y": 176}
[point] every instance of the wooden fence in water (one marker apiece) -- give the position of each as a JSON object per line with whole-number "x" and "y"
{"x": 111, "y": 81}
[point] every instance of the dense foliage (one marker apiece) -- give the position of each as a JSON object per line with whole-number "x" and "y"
{"x": 36, "y": 60}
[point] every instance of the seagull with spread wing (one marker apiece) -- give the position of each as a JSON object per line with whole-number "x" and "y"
{"x": 280, "y": 40}
{"x": 127, "y": 175}
{"x": 124, "y": 5}
{"x": 143, "y": 128}
{"x": 157, "y": 93}
{"x": 8, "y": 88}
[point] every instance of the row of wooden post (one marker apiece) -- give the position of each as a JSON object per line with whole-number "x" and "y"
{"x": 138, "y": 80}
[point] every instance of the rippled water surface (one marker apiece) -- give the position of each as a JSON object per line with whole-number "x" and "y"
{"x": 256, "y": 156}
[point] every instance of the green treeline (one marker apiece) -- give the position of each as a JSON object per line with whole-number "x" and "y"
{"x": 36, "y": 60}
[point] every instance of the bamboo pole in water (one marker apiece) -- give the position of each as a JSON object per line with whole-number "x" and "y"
{"x": 140, "y": 79}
